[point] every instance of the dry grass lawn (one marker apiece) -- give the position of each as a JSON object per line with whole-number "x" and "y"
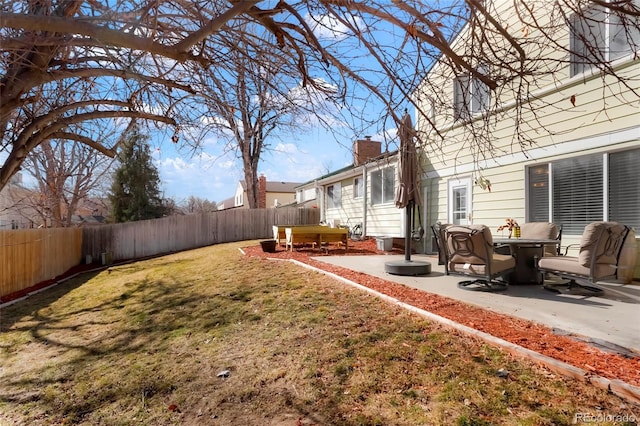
{"x": 209, "y": 337}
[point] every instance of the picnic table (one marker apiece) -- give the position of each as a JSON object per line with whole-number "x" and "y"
{"x": 279, "y": 232}
{"x": 316, "y": 234}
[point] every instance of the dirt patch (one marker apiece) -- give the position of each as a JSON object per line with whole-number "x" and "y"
{"x": 527, "y": 334}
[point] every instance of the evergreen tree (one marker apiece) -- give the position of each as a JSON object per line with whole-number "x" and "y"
{"x": 135, "y": 191}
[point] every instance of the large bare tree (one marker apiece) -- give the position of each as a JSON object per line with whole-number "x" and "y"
{"x": 67, "y": 175}
{"x": 143, "y": 59}
{"x": 251, "y": 103}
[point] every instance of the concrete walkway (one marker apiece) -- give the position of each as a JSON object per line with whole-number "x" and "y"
{"x": 610, "y": 319}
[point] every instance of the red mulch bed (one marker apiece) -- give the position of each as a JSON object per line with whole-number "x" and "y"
{"x": 524, "y": 333}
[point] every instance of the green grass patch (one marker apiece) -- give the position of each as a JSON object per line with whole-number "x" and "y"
{"x": 211, "y": 337}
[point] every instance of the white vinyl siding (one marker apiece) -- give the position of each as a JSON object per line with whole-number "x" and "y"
{"x": 601, "y": 121}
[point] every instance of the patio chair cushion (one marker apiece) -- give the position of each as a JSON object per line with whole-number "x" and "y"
{"x": 499, "y": 263}
{"x": 542, "y": 230}
{"x": 571, "y": 265}
{"x": 594, "y": 243}
{"x": 473, "y": 251}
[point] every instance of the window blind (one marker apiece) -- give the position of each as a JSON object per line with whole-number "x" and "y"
{"x": 577, "y": 192}
{"x": 389, "y": 178}
{"x": 376, "y": 187}
{"x": 538, "y": 197}
{"x": 382, "y": 185}
{"x": 624, "y": 188}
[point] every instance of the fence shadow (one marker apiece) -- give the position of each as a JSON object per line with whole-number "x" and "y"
{"x": 43, "y": 297}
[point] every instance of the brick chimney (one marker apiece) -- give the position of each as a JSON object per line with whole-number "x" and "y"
{"x": 365, "y": 149}
{"x": 262, "y": 192}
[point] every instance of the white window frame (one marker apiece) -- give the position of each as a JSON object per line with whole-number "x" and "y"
{"x": 463, "y": 216}
{"x": 334, "y": 196}
{"x": 471, "y": 97}
{"x": 609, "y": 190}
{"x": 358, "y": 187}
{"x": 384, "y": 181}
{"x": 601, "y": 31}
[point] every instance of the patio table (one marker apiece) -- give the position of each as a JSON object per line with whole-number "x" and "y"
{"x": 525, "y": 251}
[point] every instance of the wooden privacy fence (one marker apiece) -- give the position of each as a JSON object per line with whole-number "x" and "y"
{"x": 135, "y": 240}
{"x": 30, "y": 256}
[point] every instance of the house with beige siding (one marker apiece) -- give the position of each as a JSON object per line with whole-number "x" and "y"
{"x": 361, "y": 193}
{"x": 583, "y": 164}
{"x": 271, "y": 194}
{"x": 16, "y": 206}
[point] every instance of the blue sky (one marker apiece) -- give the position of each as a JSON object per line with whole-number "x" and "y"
{"x": 214, "y": 175}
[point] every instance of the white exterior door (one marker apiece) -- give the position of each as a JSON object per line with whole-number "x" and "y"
{"x": 459, "y": 206}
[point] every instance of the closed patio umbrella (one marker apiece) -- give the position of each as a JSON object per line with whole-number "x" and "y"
{"x": 407, "y": 197}
{"x": 408, "y": 191}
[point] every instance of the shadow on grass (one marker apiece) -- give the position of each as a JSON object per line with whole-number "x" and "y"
{"x": 129, "y": 343}
{"x": 13, "y": 312}
{"x": 73, "y": 329}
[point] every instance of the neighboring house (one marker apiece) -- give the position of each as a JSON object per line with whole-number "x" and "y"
{"x": 583, "y": 168}
{"x": 270, "y": 194}
{"x": 87, "y": 220}
{"x": 361, "y": 193}
{"x": 226, "y": 204}
{"x": 19, "y": 209}
{"x": 90, "y": 212}
{"x": 15, "y": 206}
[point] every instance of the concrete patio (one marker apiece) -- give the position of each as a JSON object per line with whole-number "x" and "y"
{"x": 610, "y": 319}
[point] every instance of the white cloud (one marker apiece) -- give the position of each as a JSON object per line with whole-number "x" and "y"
{"x": 203, "y": 176}
{"x": 286, "y": 148}
{"x": 327, "y": 26}
{"x": 227, "y": 165}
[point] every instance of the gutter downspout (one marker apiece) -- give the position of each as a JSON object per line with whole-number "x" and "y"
{"x": 320, "y": 194}
{"x": 364, "y": 200}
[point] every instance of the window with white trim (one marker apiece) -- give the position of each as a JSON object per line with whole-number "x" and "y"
{"x": 470, "y": 97}
{"x": 600, "y": 35}
{"x": 358, "y": 187}
{"x": 382, "y": 185}
{"x": 576, "y": 191}
{"x": 459, "y": 201}
{"x": 334, "y": 196}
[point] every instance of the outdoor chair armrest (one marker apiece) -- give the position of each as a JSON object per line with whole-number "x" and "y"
{"x": 501, "y": 249}
{"x": 567, "y": 248}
